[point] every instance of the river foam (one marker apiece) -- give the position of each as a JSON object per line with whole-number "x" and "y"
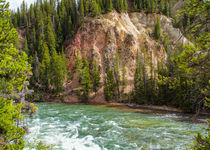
{"x": 82, "y": 127}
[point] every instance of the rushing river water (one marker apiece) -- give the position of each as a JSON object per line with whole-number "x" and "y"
{"x": 84, "y": 127}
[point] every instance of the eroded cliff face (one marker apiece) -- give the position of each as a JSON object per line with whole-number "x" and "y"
{"x": 99, "y": 39}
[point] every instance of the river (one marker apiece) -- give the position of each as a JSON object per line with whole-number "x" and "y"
{"x": 86, "y": 127}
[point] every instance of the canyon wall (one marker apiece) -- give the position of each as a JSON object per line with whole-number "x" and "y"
{"x": 129, "y": 33}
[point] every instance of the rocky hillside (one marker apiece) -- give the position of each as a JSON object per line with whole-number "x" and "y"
{"x": 128, "y": 33}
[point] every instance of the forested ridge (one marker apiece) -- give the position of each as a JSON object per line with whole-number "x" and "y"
{"x": 48, "y": 24}
{"x": 37, "y": 66}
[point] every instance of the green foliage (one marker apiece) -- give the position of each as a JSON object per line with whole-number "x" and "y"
{"x": 109, "y": 5}
{"x": 194, "y": 60}
{"x": 39, "y": 146}
{"x": 84, "y": 76}
{"x": 186, "y": 75}
{"x": 157, "y": 30}
{"x": 117, "y": 73}
{"x": 81, "y": 8}
{"x": 203, "y": 142}
{"x": 109, "y": 84}
{"x": 25, "y": 45}
{"x": 151, "y": 6}
{"x": 93, "y": 8}
{"x": 45, "y": 68}
{"x": 95, "y": 76}
{"x": 166, "y": 9}
{"x": 85, "y": 79}
{"x": 79, "y": 65}
{"x": 120, "y": 5}
{"x": 139, "y": 84}
{"x": 14, "y": 71}
{"x": 10, "y": 134}
{"x": 124, "y": 81}
{"x": 49, "y": 25}
{"x": 58, "y": 71}
{"x": 49, "y": 35}
{"x": 151, "y": 94}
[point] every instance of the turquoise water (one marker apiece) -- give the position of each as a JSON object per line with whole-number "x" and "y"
{"x": 84, "y": 127}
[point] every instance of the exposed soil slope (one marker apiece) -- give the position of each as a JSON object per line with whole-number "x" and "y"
{"x": 129, "y": 33}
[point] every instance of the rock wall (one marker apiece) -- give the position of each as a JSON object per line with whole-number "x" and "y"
{"x": 99, "y": 38}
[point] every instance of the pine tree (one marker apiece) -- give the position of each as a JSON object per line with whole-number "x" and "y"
{"x": 85, "y": 79}
{"x": 18, "y": 15}
{"x": 152, "y": 82}
{"x": 40, "y": 45}
{"x": 150, "y": 6}
{"x": 39, "y": 20}
{"x": 170, "y": 9}
{"x": 139, "y": 85}
{"x": 45, "y": 68}
{"x": 87, "y": 6}
{"x": 57, "y": 71}
{"x": 166, "y": 9}
{"x": 124, "y": 81}
{"x": 25, "y": 45}
{"x": 161, "y": 6}
{"x": 33, "y": 41}
{"x": 121, "y": 5}
{"x": 93, "y": 8}
{"x": 24, "y": 16}
{"x": 125, "y": 5}
{"x": 109, "y": 85}
{"x": 79, "y": 65}
{"x": 109, "y": 5}
{"x": 70, "y": 27}
{"x": 81, "y": 9}
{"x": 49, "y": 35}
{"x": 64, "y": 66}
{"x": 14, "y": 70}
{"x": 31, "y": 14}
{"x": 59, "y": 36}
{"x": 157, "y": 30}
{"x": 95, "y": 76}
{"x": 117, "y": 73}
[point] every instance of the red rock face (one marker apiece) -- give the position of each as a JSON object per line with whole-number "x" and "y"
{"x": 99, "y": 38}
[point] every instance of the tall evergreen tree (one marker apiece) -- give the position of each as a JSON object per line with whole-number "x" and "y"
{"x": 14, "y": 70}
{"x": 95, "y": 76}
{"x": 166, "y": 9}
{"x": 124, "y": 81}
{"x": 117, "y": 73}
{"x": 93, "y": 8}
{"x": 57, "y": 71}
{"x": 109, "y": 84}
{"x": 45, "y": 68}
{"x": 79, "y": 65}
{"x": 109, "y": 5}
{"x": 138, "y": 80}
{"x": 25, "y": 45}
{"x": 161, "y": 6}
{"x": 157, "y": 29}
{"x": 81, "y": 8}
{"x": 49, "y": 35}
{"x": 125, "y": 5}
{"x": 151, "y": 95}
{"x": 86, "y": 79}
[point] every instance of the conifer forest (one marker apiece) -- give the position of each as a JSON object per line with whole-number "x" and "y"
{"x": 104, "y": 74}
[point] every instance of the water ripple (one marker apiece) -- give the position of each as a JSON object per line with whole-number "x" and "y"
{"x": 82, "y": 127}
